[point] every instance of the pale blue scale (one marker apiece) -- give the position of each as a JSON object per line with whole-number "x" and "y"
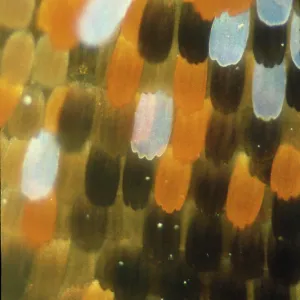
{"x": 228, "y": 38}
{"x": 100, "y": 20}
{"x": 268, "y": 91}
{"x": 40, "y": 166}
{"x": 274, "y": 12}
{"x": 295, "y": 40}
{"x": 150, "y": 138}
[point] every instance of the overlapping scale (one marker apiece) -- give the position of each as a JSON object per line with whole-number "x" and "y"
{"x": 40, "y": 166}
{"x": 227, "y": 86}
{"x": 193, "y": 35}
{"x": 75, "y": 118}
{"x": 243, "y": 205}
{"x": 204, "y": 244}
{"x": 171, "y": 182}
{"x": 39, "y": 221}
{"x": 102, "y": 177}
{"x": 269, "y": 43}
{"x": 99, "y": 19}
{"x": 285, "y": 173}
{"x": 293, "y": 87}
{"x": 228, "y": 38}
{"x": 274, "y": 12}
{"x": 152, "y": 125}
{"x": 137, "y": 181}
{"x": 189, "y": 132}
{"x": 9, "y": 98}
{"x": 58, "y": 19}
{"x": 295, "y": 39}
{"x": 123, "y": 73}
{"x": 161, "y": 237}
{"x": 189, "y": 87}
{"x": 156, "y": 30}
{"x": 268, "y": 91}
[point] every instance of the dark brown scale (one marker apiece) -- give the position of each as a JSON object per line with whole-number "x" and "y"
{"x": 193, "y": 35}
{"x": 247, "y": 254}
{"x": 204, "y": 243}
{"x": 179, "y": 281}
{"x": 262, "y": 170}
{"x": 221, "y": 138}
{"x": 137, "y": 181}
{"x": 269, "y": 43}
{"x": 156, "y": 30}
{"x": 228, "y": 289}
{"x": 227, "y": 86}
{"x": 262, "y": 139}
{"x": 102, "y": 177}
{"x": 293, "y": 87}
{"x": 16, "y": 267}
{"x": 210, "y": 187}
{"x": 161, "y": 238}
{"x": 128, "y": 273}
{"x": 266, "y": 289}
{"x": 283, "y": 261}
{"x": 76, "y": 119}
{"x": 286, "y": 219}
{"x": 88, "y": 225}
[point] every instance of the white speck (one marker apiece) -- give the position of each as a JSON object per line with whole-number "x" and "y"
{"x": 4, "y": 201}
{"x": 160, "y": 225}
{"x": 121, "y": 263}
{"x": 241, "y": 26}
{"x": 87, "y": 216}
{"x": 147, "y": 178}
{"x": 229, "y": 254}
{"x": 258, "y": 146}
{"x": 176, "y": 227}
{"x": 27, "y": 100}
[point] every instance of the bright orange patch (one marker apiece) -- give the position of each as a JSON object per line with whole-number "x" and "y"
{"x": 189, "y": 133}
{"x": 38, "y": 221}
{"x": 245, "y": 194}
{"x": 285, "y": 174}
{"x": 171, "y": 182}
{"x": 95, "y": 292}
{"x": 53, "y": 108}
{"x": 123, "y": 73}
{"x": 189, "y": 85}
{"x": 58, "y": 19}
{"x": 9, "y": 98}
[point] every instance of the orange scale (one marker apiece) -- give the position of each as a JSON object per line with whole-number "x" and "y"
{"x": 245, "y": 194}
{"x": 189, "y": 133}
{"x": 53, "y": 108}
{"x": 38, "y": 221}
{"x": 189, "y": 85}
{"x": 58, "y": 19}
{"x": 131, "y": 23}
{"x": 285, "y": 173}
{"x": 209, "y": 9}
{"x": 123, "y": 73}
{"x": 236, "y": 7}
{"x": 171, "y": 182}
{"x": 9, "y": 98}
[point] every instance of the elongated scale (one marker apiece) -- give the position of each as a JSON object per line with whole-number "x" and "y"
{"x": 171, "y": 182}
{"x": 99, "y": 20}
{"x": 58, "y": 19}
{"x": 295, "y": 39}
{"x": 123, "y": 73}
{"x": 189, "y": 87}
{"x": 189, "y": 132}
{"x": 293, "y": 87}
{"x": 228, "y": 38}
{"x": 268, "y": 91}
{"x": 285, "y": 173}
{"x": 152, "y": 125}
{"x": 40, "y": 166}
{"x": 243, "y": 205}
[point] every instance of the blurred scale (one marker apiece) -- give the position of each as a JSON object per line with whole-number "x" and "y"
{"x": 150, "y": 150}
